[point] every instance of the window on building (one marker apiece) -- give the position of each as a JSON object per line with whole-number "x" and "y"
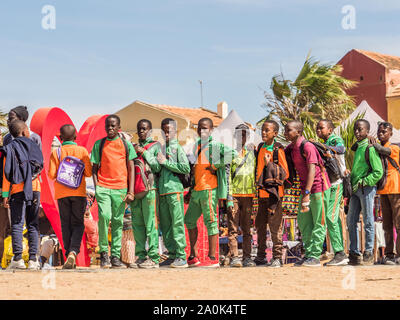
{"x": 361, "y": 78}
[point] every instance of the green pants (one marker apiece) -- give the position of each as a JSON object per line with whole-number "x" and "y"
{"x": 145, "y": 226}
{"x": 172, "y": 224}
{"x": 203, "y": 202}
{"x": 111, "y": 207}
{"x": 333, "y": 222}
{"x": 312, "y": 223}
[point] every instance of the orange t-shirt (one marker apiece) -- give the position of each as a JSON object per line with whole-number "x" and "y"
{"x": 71, "y": 149}
{"x": 17, "y": 187}
{"x": 204, "y": 179}
{"x": 392, "y": 185}
{"x": 113, "y": 173}
{"x": 260, "y": 166}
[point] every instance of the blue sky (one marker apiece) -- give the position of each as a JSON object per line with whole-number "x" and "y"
{"x": 103, "y": 55}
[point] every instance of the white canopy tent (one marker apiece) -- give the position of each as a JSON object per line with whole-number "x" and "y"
{"x": 373, "y": 118}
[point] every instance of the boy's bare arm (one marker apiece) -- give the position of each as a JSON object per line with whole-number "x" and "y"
{"x": 130, "y": 196}
{"x": 95, "y": 169}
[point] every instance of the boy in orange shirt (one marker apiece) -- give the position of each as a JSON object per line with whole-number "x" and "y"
{"x": 265, "y": 152}
{"x": 114, "y": 179}
{"x": 71, "y": 202}
{"x": 390, "y": 195}
{"x": 24, "y": 196}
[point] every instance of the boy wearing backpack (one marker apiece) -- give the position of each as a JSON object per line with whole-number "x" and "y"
{"x": 364, "y": 179}
{"x": 210, "y": 185}
{"x": 315, "y": 186}
{"x": 22, "y": 186}
{"x": 266, "y": 152}
{"x": 390, "y": 194}
{"x": 171, "y": 189}
{"x": 333, "y": 223}
{"x": 240, "y": 198}
{"x": 71, "y": 199}
{"x": 145, "y": 207}
{"x": 113, "y": 177}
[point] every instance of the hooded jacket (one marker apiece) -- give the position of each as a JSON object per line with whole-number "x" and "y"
{"x": 24, "y": 160}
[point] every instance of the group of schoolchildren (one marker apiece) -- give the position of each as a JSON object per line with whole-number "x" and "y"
{"x": 151, "y": 178}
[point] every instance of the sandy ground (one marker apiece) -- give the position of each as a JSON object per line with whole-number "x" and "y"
{"x": 373, "y": 282}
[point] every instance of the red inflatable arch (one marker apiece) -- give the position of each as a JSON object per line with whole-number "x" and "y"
{"x": 47, "y": 122}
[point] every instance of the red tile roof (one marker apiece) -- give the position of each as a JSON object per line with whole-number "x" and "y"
{"x": 390, "y": 62}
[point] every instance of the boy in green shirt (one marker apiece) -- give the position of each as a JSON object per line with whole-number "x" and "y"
{"x": 144, "y": 211}
{"x": 363, "y": 180}
{"x": 171, "y": 196}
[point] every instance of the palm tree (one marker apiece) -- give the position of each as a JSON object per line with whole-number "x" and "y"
{"x": 318, "y": 92}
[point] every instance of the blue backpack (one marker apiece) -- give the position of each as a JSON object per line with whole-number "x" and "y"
{"x": 70, "y": 171}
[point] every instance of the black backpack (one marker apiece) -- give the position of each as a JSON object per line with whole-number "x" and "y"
{"x": 384, "y": 160}
{"x": 275, "y": 158}
{"x": 327, "y": 154}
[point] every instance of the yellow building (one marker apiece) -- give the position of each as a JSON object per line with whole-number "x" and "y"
{"x": 393, "y": 103}
{"x": 186, "y": 118}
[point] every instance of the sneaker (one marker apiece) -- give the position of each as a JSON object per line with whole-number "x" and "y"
{"x": 139, "y": 261}
{"x": 70, "y": 263}
{"x": 167, "y": 262}
{"x": 47, "y": 266}
{"x": 340, "y": 259}
{"x": 397, "y": 260}
{"x": 179, "y": 263}
{"x": 149, "y": 264}
{"x": 193, "y": 262}
{"x": 275, "y": 263}
{"x": 236, "y": 262}
{"x": 368, "y": 258}
{"x": 300, "y": 262}
{"x": 19, "y": 264}
{"x": 211, "y": 263}
{"x": 116, "y": 263}
{"x": 355, "y": 259}
{"x": 311, "y": 262}
{"x": 33, "y": 265}
{"x": 389, "y": 261}
{"x": 260, "y": 261}
{"x": 104, "y": 260}
{"x": 132, "y": 265}
{"x": 226, "y": 261}
{"x": 248, "y": 262}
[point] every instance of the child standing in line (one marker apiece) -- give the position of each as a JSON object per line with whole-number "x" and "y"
{"x": 171, "y": 196}
{"x": 315, "y": 186}
{"x": 113, "y": 178}
{"x": 240, "y": 198}
{"x": 144, "y": 211}
{"x": 333, "y": 223}
{"x": 390, "y": 194}
{"x": 210, "y": 185}
{"x": 24, "y": 196}
{"x": 71, "y": 202}
{"x": 363, "y": 180}
{"x": 265, "y": 153}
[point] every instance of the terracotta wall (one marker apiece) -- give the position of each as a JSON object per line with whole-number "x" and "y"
{"x": 371, "y": 77}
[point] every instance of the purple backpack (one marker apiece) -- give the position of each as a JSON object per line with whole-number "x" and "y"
{"x": 70, "y": 171}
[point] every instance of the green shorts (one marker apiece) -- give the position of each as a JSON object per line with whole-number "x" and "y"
{"x": 203, "y": 202}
